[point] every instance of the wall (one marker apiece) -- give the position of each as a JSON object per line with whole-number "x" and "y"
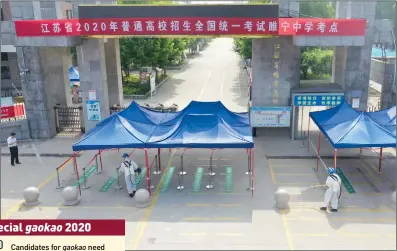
{"x": 384, "y": 32}
{"x": 20, "y": 127}
{"x": 92, "y": 68}
{"x": 7, "y": 33}
{"x": 33, "y": 87}
{"x": 14, "y": 72}
{"x": 383, "y": 73}
{"x": 354, "y": 73}
{"x": 55, "y": 62}
{"x": 264, "y": 91}
{"x": 41, "y": 10}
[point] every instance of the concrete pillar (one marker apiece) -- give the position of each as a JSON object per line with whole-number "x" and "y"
{"x": 387, "y": 99}
{"x": 268, "y": 87}
{"x": 351, "y": 66}
{"x": 55, "y": 62}
{"x": 38, "y": 112}
{"x": 113, "y": 72}
{"x": 92, "y": 69}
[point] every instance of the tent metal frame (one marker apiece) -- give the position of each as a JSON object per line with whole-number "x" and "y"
{"x": 310, "y": 143}
{"x": 250, "y": 153}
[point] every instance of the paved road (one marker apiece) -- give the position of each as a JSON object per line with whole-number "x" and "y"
{"x": 216, "y": 74}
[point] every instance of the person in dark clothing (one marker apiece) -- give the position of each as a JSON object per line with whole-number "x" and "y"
{"x": 13, "y": 146}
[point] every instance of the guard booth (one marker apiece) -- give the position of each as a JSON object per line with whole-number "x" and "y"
{"x": 310, "y": 97}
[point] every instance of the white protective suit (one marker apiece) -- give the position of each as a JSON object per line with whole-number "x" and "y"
{"x": 333, "y": 191}
{"x": 128, "y": 167}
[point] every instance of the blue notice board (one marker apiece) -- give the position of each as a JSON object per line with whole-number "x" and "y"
{"x": 318, "y": 99}
{"x": 93, "y": 110}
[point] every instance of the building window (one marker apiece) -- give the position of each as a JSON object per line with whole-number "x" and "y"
{"x": 69, "y": 14}
{"x": 5, "y": 72}
{"x": 4, "y": 56}
{"x": 2, "y": 15}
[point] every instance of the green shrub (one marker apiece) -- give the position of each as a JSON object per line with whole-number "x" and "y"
{"x": 317, "y": 62}
{"x": 135, "y": 88}
{"x": 132, "y": 85}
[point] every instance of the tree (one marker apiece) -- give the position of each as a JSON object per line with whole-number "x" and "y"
{"x": 138, "y": 52}
{"x": 316, "y": 61}
{"x": 155, "y": 52}
{"x": 73, "y": 52}
{"x": 385, "y": 10}
{"x": 243, "y": 46}
{"x": 317, "y": 9}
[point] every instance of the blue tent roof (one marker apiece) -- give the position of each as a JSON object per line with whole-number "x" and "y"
{"x": 348, "y": 128}
{"x": 200, "y": 131}
{"x": 212, "y": 126}
{"x": 74, "y": 75}
{"x": 116, "y": 133}
{"x": 386, "y": 118}
{"x": 197, "y": 107}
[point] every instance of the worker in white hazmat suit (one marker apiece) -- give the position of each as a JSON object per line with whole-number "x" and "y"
{"x": 333, "y": 192}
{"x": 130, "y": 170}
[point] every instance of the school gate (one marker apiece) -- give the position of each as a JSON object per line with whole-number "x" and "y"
{"x": 45, "y": 30}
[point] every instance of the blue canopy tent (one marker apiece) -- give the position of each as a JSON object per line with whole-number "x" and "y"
{"x": 200, "y": 131}
{"x": 347, "y": 128}
{"x": 386, "y": 118}
{"x": 123, "y": 134}
{"x": 199, "y": 125}
{"x": 74, "y": 75}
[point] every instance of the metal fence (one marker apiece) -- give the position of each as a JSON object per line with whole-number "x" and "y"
{"x": 69, "y": 118}
{"x": 374, "y": 108}
{"x": 158, "y": 108}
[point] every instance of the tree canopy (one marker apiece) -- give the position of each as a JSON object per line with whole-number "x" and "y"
{"x": 317, "y": 9}
{"x": 315, "y": 61}
{"x": 155, "y": 52}
{"x": 243, "y": 46}
{"x": 385, "y": 10}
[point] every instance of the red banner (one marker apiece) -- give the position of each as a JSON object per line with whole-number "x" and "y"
{"x": 63, "y": 227}
{"x": 19, "y": 109}
{"x": 7, "y": 112}
{"x": 147, "y": 27}
{"x": 191, "y": 26}
{"x": 322, "y": 27}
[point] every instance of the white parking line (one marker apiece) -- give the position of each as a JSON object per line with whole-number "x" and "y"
{"x": 204, "y": 86}
{"x": 222, "y": 83}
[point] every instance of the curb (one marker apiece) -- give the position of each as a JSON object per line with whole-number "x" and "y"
{"x": 55, "y": 155}
{"x": 67, "y": 155}
{"x": 323, "y": 157}
{"x": 162, "y": 82}
{"x": 145, "y": 96}
{"x": 179, "y": 67}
